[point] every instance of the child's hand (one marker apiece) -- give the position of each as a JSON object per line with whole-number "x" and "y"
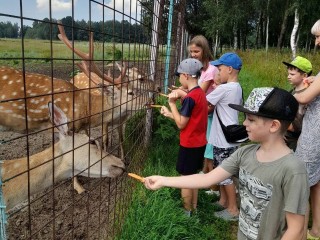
{"x": 173, "y": 96}
{"x": 307, "y": 81}
{"x": 153, "y": 182}
{"x": 181, "y": 92}
{"x": 165, "y": 111}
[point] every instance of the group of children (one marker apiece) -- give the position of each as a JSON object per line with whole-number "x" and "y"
{"x": 276, "y": 173}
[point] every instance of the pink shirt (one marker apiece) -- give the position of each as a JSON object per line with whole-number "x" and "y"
{"x": 208, "y": 75}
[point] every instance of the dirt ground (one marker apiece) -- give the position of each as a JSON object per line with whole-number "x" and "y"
{"x": 59, "y": 212}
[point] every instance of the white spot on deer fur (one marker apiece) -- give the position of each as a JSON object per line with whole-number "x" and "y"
{"x": 22, "y": 88}
{"x": 19, "y": 80}
{"x": 65, "y": 109}
{"x": 34, "y": 101}
{"x": 43, "y": 106}
{"x": 14, "y": 93}
{"x": 31, "y": 84}
{"x": 5, "y": 77}
{"x": 46, "y": 89}
{"x": 35, "y": 110}
{"x": 67, "y": 99}
{"x": 3, "y": 96}
{"x": 1, "y": 107}
{"x": 8, "y": 111}
{"x": 41, "y": 99}
{"x": 10, "y": 82}
{"x": 21, "y": 106}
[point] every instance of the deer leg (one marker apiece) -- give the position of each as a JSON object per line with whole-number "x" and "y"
{"x": 105, "y": 136}
{"x": 77, "y": 186}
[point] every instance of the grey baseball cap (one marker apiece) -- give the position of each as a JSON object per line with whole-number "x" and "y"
{"x": 190, "y": 66}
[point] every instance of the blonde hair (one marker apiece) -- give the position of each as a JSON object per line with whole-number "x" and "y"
{"x": 316, "y": 28}
{"x": 201, "y": 42}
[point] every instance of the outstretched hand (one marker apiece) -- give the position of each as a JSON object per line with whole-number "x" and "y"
{"x": 165, "y": 111}
{"x": 153, "y": 182}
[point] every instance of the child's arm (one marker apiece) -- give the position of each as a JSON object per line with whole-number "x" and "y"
{"x": 195, "y": 181}
{"x": 295, "y": 223}
{"x": 180, "y": 120}
{"x": 310, "y": 93}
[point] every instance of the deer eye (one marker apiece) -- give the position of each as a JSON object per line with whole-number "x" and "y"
{"x": 130, "y": 93}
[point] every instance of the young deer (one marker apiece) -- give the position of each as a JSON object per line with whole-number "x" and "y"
{"x": 87, "y": 159}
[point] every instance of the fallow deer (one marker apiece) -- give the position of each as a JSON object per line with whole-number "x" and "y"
{"x": 87, "y": 159}
{"x": 92, "y": 77}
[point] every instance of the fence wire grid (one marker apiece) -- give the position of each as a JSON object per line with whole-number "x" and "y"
{"x": 101, "y": 64}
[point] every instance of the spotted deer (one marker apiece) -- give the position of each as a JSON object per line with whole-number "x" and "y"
{"x": 24, "y": 96}
{"x": 92, "y": 77}
{"x": 86, "y": 159}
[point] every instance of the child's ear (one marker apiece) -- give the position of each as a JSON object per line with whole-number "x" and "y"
{"x": 275, "y": 126}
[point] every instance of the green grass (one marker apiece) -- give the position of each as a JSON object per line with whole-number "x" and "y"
{"x": 159, "y": 215}
{"x": 41, "y": 49}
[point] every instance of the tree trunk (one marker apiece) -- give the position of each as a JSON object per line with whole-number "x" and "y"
{"x": 293, "y": 42}
{"x": 283, "y": 25}
{"x": 267, "y": 27}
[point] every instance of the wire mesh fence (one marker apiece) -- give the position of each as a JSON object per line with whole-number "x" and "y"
{"x": 76, "y": 79}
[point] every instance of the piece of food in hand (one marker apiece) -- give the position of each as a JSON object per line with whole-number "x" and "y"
{"x": 162, "y": 94}
{"x": 306, "y": 83}
{"x": 153, "y": 106}
{"x": 137, "y": 177}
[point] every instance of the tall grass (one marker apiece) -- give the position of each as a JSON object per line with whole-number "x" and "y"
{"x": 265, "y": 69}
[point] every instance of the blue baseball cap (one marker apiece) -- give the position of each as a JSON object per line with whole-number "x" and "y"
{"x": 229, "y": 59}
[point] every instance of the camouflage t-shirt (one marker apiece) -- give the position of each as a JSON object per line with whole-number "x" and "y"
{"x": 267, "y": 190}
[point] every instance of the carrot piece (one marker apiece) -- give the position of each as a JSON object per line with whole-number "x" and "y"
{"x": 137, "y": 177}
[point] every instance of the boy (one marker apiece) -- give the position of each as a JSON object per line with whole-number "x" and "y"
{"x": 229, "y": 91}
{"x": 192, "y": 122}
{"x": 273, "y": 183}
{"x": 298, "y": 70}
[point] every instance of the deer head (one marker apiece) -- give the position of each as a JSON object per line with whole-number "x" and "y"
{"x": 70, "y": 154}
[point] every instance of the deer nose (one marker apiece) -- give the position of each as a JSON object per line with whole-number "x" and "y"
{"x": 131, "y": 93}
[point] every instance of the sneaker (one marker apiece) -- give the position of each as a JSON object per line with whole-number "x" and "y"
{"x": 187, "y": 212}
{"x": 211, "y": 192}
{"x": 225, "y": 215}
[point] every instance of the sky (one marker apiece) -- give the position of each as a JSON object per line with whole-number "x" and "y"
{"x": 39, "y": 9}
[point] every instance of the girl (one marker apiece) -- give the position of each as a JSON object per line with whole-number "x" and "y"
{"x": 308, "y": 147}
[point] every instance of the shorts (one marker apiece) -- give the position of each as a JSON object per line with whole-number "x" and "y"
{"x": 190, "y": 160}
{"x": 209, "y": 147}
{"x": 220, "y": 155}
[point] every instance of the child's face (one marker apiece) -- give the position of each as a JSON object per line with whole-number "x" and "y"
{"x": 224, "y": 72}
{"x": 257, "y": 127}
{"x": 317, "y": 40}
{"x": 295, "y": 77}
{"x": 217, "y": 79}
{"x": 183, "y": 80}
{"x": 196, "y": 52}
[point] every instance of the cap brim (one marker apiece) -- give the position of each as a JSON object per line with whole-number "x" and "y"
{"x": 240, "y": 108}
{"x": 288, "y": 64}
{"x": 216, "y": 63}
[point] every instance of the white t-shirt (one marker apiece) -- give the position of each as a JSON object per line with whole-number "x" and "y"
{"x": 223, "y": 95}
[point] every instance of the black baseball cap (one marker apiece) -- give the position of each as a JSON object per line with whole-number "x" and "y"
{"x": 274, "y": 103}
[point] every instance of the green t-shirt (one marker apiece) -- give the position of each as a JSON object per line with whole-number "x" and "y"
{"x": 267, "y": 191}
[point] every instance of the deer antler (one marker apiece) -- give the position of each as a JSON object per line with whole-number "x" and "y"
{"x": 88, "y": 65}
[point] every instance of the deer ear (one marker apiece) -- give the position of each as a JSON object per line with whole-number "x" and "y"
{"x": 58, "y": 118}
